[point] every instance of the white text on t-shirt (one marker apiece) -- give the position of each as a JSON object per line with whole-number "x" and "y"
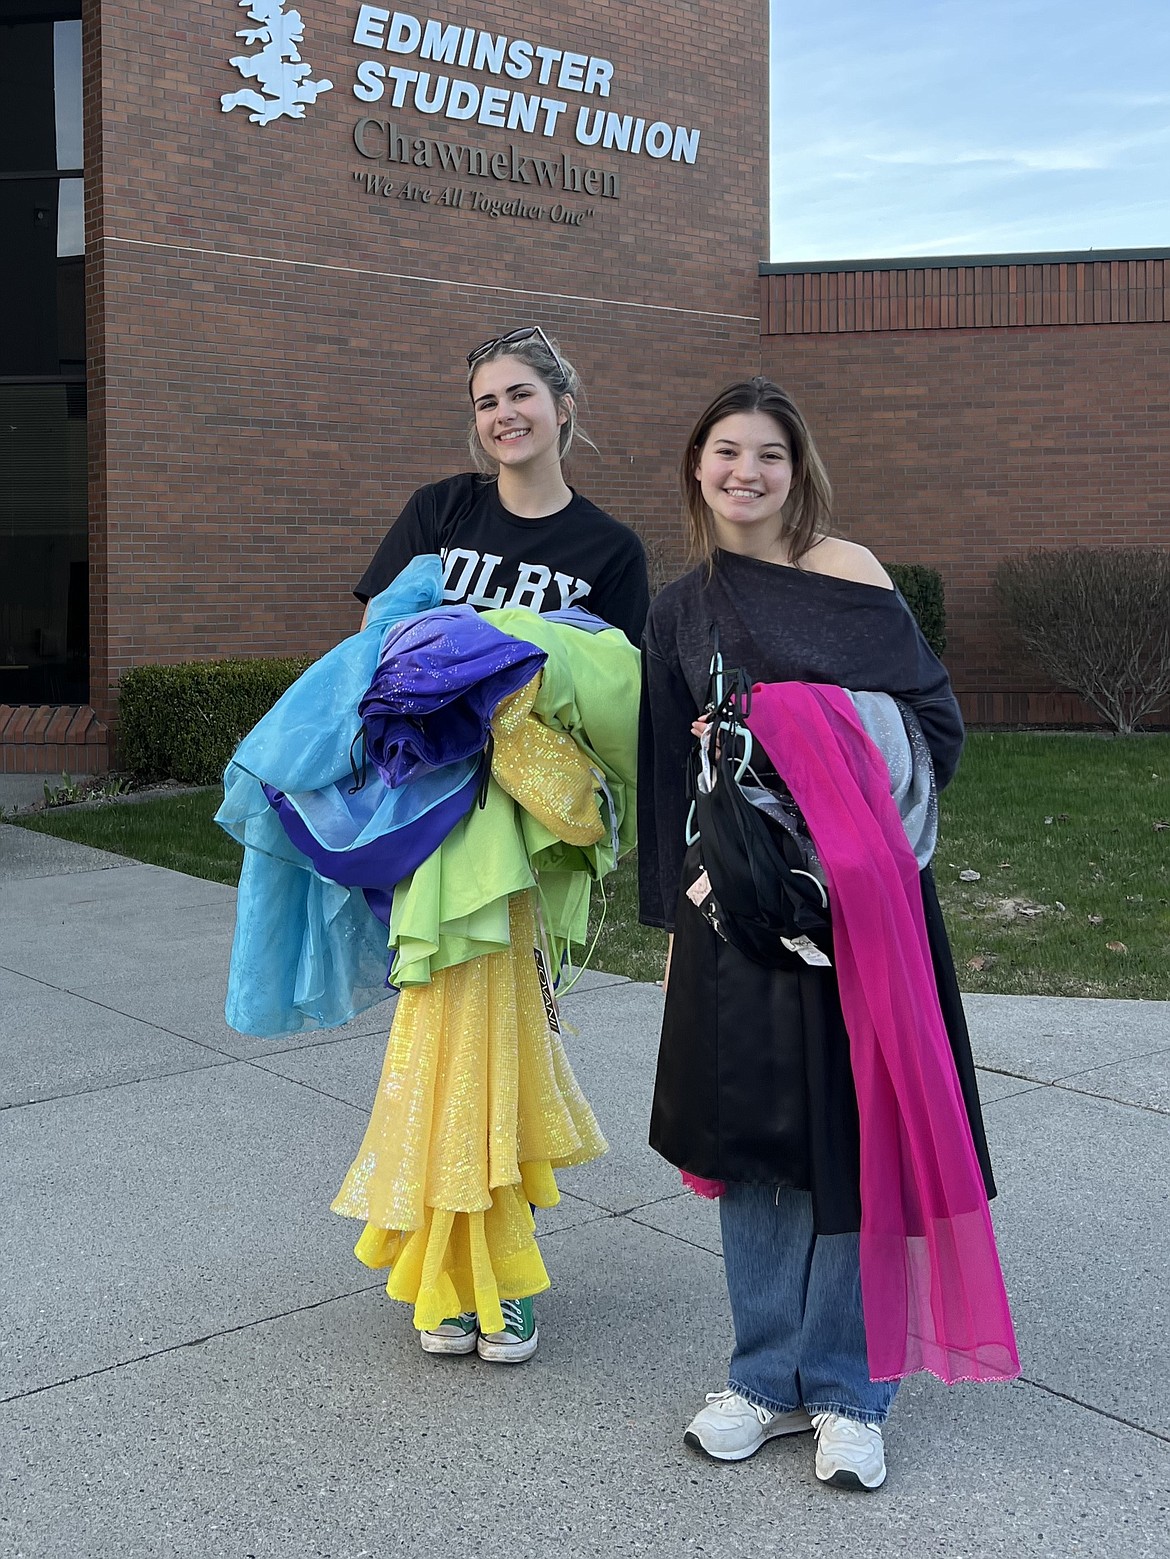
{"x": 467, "y": 577}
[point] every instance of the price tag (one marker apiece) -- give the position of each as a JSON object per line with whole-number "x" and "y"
{"x": 807, "y": 950}
{"x": 700, "y": 889}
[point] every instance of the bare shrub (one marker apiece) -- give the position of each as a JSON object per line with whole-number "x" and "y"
{"x": 1097, "y": 620}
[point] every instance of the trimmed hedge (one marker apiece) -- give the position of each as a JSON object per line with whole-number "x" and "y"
{"x": 923, "y": 590}
{"x": 183, "y": 722}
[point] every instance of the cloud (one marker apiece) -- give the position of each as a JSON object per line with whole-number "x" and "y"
{"x": 903, "y": 130}
{"x": 961, "y": 229}
{"x": 1046, "y": 159}
{"x": 1124, "y": 100}
{"x": 1079, "y": 156}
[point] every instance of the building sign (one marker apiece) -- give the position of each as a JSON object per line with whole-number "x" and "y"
{"x": 423, "y": 66}
{"x": 542, "y": 69}
{"x": 277, "y": 65}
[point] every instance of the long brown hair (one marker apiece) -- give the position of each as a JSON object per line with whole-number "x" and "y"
{"x": 809, "y": 507}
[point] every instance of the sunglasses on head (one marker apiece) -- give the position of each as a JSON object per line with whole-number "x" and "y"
{"x": 525, "y": 333}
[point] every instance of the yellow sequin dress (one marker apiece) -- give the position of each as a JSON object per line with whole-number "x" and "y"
{"x": 477, "y": 1103}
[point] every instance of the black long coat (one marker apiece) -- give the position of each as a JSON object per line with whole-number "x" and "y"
{"x": 754, "y": 1080}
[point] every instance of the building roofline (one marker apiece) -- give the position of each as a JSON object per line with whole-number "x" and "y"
{"x": 946, "y": 262}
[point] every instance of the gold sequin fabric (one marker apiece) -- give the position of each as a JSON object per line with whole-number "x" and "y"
{"x": 476, "y": 1106}
{"x": 544, "y": 770}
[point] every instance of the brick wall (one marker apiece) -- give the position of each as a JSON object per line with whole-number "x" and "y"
{"x": 280, "y": 352}
{"x": 971, "y": 410}
{"x": 275, "y": 349}
{"x": 52, "y": 739}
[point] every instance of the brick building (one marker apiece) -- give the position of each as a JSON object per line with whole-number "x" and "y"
{"x": 299, "y": 218}
{"x": 973, "y": 407}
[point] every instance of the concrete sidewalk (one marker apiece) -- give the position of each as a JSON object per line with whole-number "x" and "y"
{"x": 194, "y": 1364}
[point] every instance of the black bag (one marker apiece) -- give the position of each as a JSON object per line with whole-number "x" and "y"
{"x": 766, "y": 889}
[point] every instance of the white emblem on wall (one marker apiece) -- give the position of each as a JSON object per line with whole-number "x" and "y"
{"x": 277, "y": 66}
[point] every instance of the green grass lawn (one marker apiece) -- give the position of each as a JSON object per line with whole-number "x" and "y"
{"x": 1071, "y": 838}
{"x": 175, "y": 831}
{"x": 1066, "y": 832}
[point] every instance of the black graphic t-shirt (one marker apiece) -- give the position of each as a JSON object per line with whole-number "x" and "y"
{"x": 579, "y": 556}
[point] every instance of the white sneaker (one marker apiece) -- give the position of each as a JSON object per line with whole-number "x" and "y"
{"x": 731, "y": 1428}
{"x": 849, "y": 1454}
{"x": 458, "y": 1335}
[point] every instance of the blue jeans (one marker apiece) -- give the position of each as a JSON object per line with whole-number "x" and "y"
{"x": 796, "y": 1303}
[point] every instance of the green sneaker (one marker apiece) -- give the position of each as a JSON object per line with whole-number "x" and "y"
{"x": 458, "y": 1335}
{"x": 517, "y": 1341}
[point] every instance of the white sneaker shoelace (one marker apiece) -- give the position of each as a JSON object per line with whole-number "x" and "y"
{"x": 846, "y": 1428}
{"x": 512, "y": 1311}
{"x": 732, "y": 1402}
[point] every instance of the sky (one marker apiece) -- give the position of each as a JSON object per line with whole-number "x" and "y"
{"x": 924, "y": 127}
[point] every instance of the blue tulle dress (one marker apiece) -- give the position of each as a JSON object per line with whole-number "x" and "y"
{"x": 309, "y": 951}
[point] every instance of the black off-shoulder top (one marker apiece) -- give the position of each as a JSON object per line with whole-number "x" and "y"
{"x": 778, "y": 624}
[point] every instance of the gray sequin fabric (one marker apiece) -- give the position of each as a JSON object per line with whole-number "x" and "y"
{"x": 894, "y": 730}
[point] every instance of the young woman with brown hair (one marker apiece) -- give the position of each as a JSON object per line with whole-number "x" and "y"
{"x": 778, "y": 1089}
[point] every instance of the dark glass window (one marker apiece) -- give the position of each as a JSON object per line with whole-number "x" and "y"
{"x": 44, "y": 579}
{"x": 44, "y": 597}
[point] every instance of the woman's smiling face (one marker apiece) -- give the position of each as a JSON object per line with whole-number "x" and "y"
{"x": 745, "y": 472}
{"x": 516, "y": 418}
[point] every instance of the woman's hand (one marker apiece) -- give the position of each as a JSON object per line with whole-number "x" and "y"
{"x": 699, "y": 726}
{"x": 669, "y": 951}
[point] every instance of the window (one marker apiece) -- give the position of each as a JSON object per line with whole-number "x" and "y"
{"x": 43, "y": 514}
